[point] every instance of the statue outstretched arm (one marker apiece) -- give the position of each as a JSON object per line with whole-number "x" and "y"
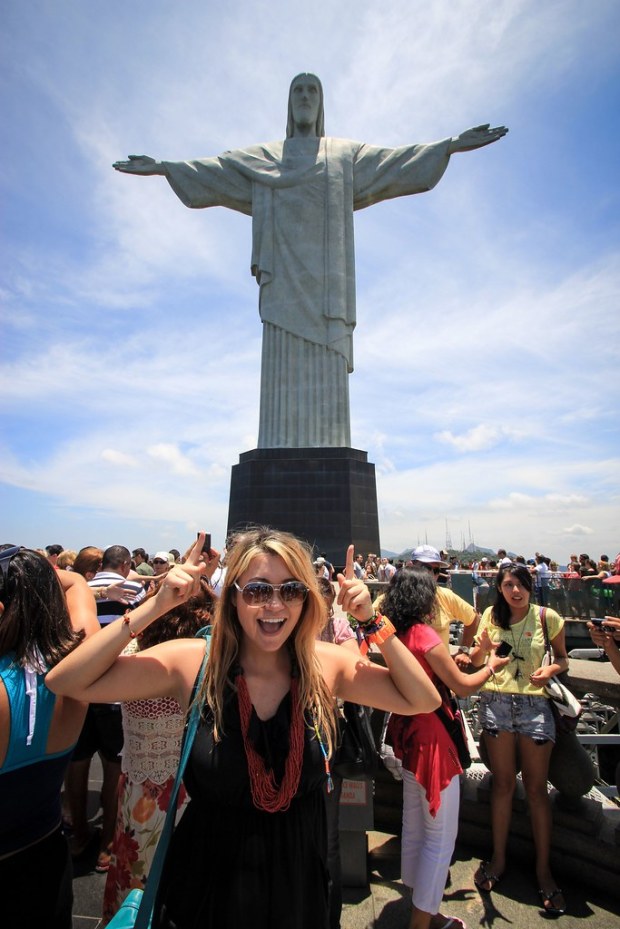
{"x": 140, "y": 164}
{"x": 476, "y": 138}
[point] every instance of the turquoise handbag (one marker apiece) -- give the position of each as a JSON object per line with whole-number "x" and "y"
{"x": 127, "y": 916}
{"x": 136, "y": 910}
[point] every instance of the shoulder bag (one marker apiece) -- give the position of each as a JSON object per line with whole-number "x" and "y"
{"x": 356, "y": 757}
{"x": 136, "y": 910}
{"x": 565, "y": 705}
{"x": 449, "y": 714}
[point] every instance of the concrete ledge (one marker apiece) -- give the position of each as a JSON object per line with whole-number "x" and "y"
{"x": 598, "y": 677}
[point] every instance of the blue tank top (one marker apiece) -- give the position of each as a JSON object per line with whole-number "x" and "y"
{"x": 31, "y": 707}
{"x": 30, "y": 779}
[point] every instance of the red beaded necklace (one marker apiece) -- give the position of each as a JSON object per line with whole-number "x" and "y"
{"x": 266, "y": 794}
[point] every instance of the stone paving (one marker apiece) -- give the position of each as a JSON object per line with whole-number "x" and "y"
{"x": 383, "y": 903}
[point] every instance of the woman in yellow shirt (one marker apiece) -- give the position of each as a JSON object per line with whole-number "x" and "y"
{"x": 516, "y": 716}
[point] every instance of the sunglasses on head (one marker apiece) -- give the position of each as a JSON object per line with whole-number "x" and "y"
{"x": 5, "y": 558}
{"x": 257, "y": 593}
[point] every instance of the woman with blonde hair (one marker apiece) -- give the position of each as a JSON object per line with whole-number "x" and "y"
{"x": 65, "y": 559}
{"x": 251, "y": 846}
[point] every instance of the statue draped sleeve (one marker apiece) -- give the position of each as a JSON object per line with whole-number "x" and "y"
{"x": 385, "y": 173}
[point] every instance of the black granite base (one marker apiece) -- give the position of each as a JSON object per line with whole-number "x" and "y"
{"x": 327, "y": 496}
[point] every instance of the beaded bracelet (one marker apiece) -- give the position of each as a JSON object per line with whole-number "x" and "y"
{"x": 376, "y": 632}
{"x": 126, "y": 618}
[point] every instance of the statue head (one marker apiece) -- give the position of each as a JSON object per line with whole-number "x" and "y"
{"x": 305, "y": 104}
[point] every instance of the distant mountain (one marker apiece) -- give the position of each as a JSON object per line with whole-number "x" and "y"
{"x": 472, "y": 551}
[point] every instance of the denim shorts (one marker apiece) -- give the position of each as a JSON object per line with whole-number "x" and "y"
{"x": 518, "y": 713}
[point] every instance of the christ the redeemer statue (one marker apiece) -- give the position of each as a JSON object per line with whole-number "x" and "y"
{"x": 301, "y": 194}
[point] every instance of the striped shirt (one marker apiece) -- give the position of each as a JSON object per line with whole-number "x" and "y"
{"x": 109, "y": 610}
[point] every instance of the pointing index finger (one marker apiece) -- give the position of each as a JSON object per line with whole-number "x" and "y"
{"x": 348, "y": 570}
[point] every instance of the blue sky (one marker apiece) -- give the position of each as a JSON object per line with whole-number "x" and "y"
{"x": 486, "y": 352}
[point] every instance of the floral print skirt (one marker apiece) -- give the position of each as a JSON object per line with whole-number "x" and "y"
{"x": 140, "y": 820}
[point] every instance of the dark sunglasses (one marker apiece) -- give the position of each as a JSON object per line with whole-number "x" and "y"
{"x": 159, "y": 561}
{"x": 257, "y": 593}
{"x": 434, "y": 571}
{"x": 5, "y": 558}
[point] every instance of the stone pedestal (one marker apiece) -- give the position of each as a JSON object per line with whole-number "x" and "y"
{"x": 327, "y": 496}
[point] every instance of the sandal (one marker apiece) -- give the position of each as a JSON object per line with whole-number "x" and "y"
{"x": 103, "y": 862}
{"x": 483, "y": 877}
{"x": 547, "y": 902}
{"x": 452, "y": 922}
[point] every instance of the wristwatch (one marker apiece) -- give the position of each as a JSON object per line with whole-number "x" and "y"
{"x": 464, "y": 649}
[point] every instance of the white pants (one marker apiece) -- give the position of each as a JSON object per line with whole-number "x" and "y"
{"x": 428, "y": 842}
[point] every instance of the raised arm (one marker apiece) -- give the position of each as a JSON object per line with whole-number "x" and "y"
{"x": 477, "y": 137}
{"x": 96, "y": 672}
{"x": 139, "y": 164}
{"x": 401, "y": 687}
{"x": 80, "y": 602}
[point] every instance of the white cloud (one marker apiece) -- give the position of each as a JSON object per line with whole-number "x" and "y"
{"x": 480, "y": 437}
{"x": 119, "y": 458}
{"x": 578, "y": 530}
{"x": 171, "y": 456}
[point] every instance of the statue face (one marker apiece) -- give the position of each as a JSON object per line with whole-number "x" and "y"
{"x": 305, "y": 101}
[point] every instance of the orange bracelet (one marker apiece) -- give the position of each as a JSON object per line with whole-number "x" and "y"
{"x": 380, "y": 631}
{"x": 126, "y": 618}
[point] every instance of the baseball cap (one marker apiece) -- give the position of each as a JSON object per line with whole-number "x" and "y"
{"x": 162, "y": 556}
{"x": 428, "y": 555}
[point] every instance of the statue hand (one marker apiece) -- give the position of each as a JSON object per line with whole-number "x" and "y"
{"x": 139, "y": 164}
{"x": 476, "y": 138}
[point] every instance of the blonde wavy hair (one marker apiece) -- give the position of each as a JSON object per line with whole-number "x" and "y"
{"x": 315, "y": 698}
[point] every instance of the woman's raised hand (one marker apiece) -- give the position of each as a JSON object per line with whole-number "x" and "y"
{"x": 354, "y": 596}
{"x": 183, "y": 580}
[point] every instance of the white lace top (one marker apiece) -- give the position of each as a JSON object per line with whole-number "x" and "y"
{"x": 153, "y": 730}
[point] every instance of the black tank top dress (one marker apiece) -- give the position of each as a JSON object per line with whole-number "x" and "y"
{"x": 232, "y": 866}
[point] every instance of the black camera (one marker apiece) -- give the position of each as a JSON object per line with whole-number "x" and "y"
{"x": 206, "y": 545}
{"x": 503, "y": 649}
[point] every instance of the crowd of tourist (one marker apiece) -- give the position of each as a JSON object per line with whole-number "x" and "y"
{"x": 576, "y": 591}
{"x": 97, "y": 657}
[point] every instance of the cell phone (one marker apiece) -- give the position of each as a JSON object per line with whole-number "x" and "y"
{"x": 206, "y": 545}
{"x": 598, "y": 622}
{"x": 503, "y": 649}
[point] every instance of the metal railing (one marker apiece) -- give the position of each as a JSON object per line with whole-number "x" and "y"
{"x": 572, "y": 598}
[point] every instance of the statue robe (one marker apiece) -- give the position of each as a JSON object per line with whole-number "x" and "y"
{"x": 301, "y": 194}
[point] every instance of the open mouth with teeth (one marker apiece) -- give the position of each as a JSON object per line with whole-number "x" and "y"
{"x": 271, "y": 626}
